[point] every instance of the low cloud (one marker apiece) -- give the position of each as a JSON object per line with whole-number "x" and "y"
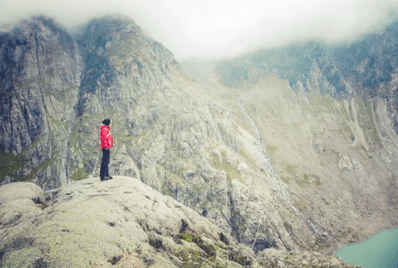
{"x": 222, "y": 28}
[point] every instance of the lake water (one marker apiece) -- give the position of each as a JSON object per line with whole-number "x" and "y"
{"x": 379, "y": 251}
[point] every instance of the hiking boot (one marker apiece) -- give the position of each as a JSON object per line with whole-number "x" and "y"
{"x": 105, "y": 179}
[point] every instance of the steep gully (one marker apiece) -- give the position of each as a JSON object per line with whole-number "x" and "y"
{"x": 273, "y": 173}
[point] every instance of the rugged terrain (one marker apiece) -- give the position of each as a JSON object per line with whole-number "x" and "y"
{"x": 121, "y": 223}
{"x": 290, "y": 149}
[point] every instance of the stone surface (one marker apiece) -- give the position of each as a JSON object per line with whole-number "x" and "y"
{"x": 40, "y": 75}
{"x": 119, "y": 223}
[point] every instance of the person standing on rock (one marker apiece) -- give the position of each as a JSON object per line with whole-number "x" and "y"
{"x": 106, "y": 145}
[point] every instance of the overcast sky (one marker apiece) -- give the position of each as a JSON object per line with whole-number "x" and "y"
{"x": 222, "y": 28}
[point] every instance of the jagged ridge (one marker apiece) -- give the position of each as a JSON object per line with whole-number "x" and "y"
{"x": 193, "y": 142}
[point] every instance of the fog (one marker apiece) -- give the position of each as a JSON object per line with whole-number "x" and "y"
{"x": 222, "y": 28}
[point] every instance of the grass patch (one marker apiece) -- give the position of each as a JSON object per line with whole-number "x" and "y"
{"x": 292, "y": 169}
{"x": 323, "y": 105}
{"x": 287, "y": 180}
{"x": 190, "y": 236}
{"x": 230, "y": 170}
{"x": 166, "y": 191}
{"x": 240, "y": 258}
{"x": 250, "y": 161}
{"x": 80, "y": 174}
{"x": 308, "y": 180}
{"x": 271, "y": 150}
{"x": 302, "y": 205}
{"x": 365, "y": 120}
{"x": 10, "y": 163}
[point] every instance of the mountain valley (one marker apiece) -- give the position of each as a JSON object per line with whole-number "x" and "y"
{"x": 289, "y": 150}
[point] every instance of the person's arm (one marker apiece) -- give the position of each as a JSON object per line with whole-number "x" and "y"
{"x": 109, "y": 139}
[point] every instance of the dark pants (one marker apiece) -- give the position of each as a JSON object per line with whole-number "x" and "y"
{"x": 106, "y": 157}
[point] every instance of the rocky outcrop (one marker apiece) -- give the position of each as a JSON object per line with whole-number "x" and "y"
{"x": 166, "y": 133}
{"x": 121, "y": 223}
{"x": 40, "y": 76}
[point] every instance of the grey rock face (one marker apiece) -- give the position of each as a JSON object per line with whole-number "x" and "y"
{"x": 163, "y": 133}
{"x": 40, "y": 69}
{"x": 121, "y": 222}
{"x": 365, "y": 68}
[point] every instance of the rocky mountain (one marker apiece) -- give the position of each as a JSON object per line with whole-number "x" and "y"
{"x": 126, "y": 223}
{"x": 291, "y": 149}
{"x": 40, "y": 79}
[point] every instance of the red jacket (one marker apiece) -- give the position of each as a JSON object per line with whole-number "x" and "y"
{"x": 106, "y": 137}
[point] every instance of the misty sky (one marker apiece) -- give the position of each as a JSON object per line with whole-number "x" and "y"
{"x": 221, "y": 28}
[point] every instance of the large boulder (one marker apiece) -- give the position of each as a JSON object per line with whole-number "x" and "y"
{"x": 123, "y": 223}
{"x": 93, "y": 223}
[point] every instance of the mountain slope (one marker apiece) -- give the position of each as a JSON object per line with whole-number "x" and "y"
{"x": 40, "y": 69}
{"x": 284, "y": 156}
{"x": 330, "y": 128}
{"x": 119, "y": 223}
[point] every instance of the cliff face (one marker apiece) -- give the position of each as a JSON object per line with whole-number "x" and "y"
{"x": 297, "y": 154}
{"x": 167, "y": 133}
{"x": 327, "y": 120}
{"x": 124, "y": 71}
{"x": 40, "y": 77}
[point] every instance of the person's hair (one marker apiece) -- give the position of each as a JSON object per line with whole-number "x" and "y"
{"x": 106, "y": 122}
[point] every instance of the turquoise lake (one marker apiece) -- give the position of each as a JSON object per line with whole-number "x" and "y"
{"x": 379, "y": 251}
